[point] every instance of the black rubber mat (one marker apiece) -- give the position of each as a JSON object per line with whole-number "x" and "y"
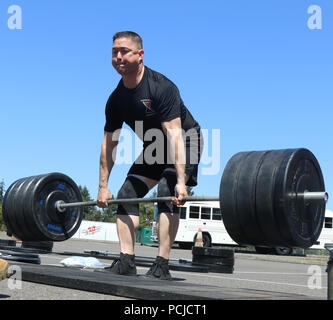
{"x": 138, "y": 287}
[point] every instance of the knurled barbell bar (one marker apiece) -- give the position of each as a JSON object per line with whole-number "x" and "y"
{"x": 272, "y": 198}
{"x": 61, "y": 206}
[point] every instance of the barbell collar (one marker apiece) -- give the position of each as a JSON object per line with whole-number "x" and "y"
{"x": 61, "y": 206}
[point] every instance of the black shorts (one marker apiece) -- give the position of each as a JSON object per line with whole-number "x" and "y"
{"x": 193, "y": 149}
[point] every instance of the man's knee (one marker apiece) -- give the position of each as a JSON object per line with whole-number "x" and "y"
{"x": 132, "y": 188}
{"x": 166, "y": 188}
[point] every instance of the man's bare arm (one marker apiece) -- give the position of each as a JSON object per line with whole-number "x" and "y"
{"x": 173, "y": 130}
{"x": 107, "y": 159}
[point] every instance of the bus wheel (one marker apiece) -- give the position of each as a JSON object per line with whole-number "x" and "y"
{"x": 263, "y": 250}
{"x": 206, "y": 240}
{"x": 283, "y": 251}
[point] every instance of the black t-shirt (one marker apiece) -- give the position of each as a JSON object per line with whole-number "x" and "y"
{"x": 155, "y": 100}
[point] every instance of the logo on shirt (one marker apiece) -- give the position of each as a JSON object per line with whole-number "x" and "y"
{"x": 149, "y": 110}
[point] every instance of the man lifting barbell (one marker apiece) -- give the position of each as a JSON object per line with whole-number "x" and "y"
{"x": 148, "y": 100}
{"x": 272, "y": 198}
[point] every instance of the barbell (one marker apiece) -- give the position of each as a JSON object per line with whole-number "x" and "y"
{"x": 273, "y": 198}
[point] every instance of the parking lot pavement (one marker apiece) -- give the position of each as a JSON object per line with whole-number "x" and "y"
{"x": 304, "y": 276}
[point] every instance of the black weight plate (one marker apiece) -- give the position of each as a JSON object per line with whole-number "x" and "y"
{"x": 265, "y": 199}
{"x": 302, "y": 223}
{"x": 214, "y": 260}
{"x": 246, "y": 197}
{"x": 23, "y": 216}
{"x": 8, "y": 210}
{"x": 215, "y": 252}
{"x": 27, "y": 213}
{"x": 228, "y": 197}
{"x": 17, "y": 195}
{"x": 20, "y": 228}
{"x": 216, "y": 268}
{"x": 54, "y": 225}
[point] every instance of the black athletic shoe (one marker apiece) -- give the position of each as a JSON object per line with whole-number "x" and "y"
{"x": 125, "y": 265}
{"x": 159, "y": 269}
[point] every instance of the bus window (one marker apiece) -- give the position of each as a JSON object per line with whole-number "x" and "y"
{"x": 182, "y": 213}
{"x": 217, "y": 214}
{"x": 328, "y": 223}
{"x": 205, "y": 213}
{"x": 194, "y": 212}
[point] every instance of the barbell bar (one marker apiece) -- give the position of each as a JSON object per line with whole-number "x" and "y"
{"x": 308, "y": 197}
{"x": 61, "y": 206}
{"x": 273, "y": 198}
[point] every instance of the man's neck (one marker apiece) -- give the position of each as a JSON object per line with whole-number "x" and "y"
{"x": 131, "y": 81}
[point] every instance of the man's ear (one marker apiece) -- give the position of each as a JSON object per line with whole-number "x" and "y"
{"x": 141, "y": 53}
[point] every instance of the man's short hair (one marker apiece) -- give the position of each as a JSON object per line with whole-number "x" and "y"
{"x": 129, "y": 34}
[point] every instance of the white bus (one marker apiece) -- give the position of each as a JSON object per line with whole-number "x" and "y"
{"x": 194, "y": 215}
{"x": 207, "y": 216}
{"x": 326, "y": 235}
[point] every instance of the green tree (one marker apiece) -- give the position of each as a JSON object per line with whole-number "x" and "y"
{"x": 146, "y": 214}
{"x": 190, "y": 191}
{"x": 109, "y": 214}
{"x": 2, "y": 223}
{"x": 89, "y": 211}
{"x": 2, "y": 191}
{"x": 154, "y": 194}
{"x": 2, "y": 194}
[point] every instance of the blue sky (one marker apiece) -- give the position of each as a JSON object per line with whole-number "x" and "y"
{"x": 252, "y": 69}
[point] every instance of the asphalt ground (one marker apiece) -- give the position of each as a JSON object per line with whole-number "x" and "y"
{"x": 304, "y": 277}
